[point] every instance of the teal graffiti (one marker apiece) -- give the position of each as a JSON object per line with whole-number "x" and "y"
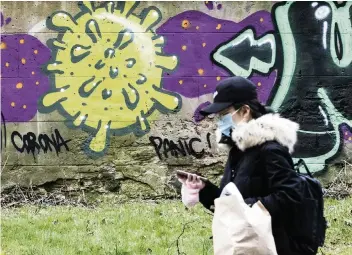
{"x": 311, "y": 50}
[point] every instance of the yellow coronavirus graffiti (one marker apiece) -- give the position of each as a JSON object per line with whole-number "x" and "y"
{"x": 106, "y": 70}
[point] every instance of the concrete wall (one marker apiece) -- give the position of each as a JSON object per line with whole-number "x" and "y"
{"x": 105, "y": 98}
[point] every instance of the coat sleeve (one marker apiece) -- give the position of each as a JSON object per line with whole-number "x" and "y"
{"x": 283, "y": 182}
{"x": 208, "y": 194}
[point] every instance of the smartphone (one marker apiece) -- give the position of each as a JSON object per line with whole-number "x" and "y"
{"x": 183, "y": 174}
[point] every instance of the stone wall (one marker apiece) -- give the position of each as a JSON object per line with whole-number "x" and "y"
{"x": 105, "y": 97}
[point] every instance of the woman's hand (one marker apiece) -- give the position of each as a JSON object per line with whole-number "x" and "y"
{"x": 192, "y": 181}
{"x": 190, "y": 189}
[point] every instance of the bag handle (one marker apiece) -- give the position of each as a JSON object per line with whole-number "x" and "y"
{"x": 231, "y": 190}
{"x": 301, "y": 162}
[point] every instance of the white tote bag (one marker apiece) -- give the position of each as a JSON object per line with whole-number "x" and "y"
{"x": 240, "y": 229}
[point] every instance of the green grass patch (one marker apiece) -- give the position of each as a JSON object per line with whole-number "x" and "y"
{"x": 339, "y": 233}
{"x": 135, "y": 228}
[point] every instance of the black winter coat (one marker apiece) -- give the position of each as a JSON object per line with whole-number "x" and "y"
{"x": 261, "y": 166}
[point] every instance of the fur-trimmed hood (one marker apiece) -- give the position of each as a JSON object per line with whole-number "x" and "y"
{"x": 270, "y": 127}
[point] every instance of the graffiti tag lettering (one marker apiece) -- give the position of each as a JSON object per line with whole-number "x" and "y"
{"x": 183, "y": 148}
{"x": 30, "y": 143}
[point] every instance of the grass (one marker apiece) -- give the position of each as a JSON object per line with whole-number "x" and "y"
{"x": 339, "y": 233}
{"x": 135, "y": 228}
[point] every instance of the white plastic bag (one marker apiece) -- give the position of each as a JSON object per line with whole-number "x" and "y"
{"x": 240, "y": 229}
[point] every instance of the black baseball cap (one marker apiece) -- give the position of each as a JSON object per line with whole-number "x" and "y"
{"x": 231, "y": 91}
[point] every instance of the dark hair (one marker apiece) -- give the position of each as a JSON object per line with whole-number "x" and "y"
{"x": 257, "y": 109}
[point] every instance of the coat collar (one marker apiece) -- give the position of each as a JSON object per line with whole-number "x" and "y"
{"x": 270, "y": 127}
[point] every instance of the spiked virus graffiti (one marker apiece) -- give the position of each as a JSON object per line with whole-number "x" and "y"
{"x": 106, "y": 71}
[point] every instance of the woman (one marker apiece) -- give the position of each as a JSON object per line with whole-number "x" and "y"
{"x": 259, "y": 162}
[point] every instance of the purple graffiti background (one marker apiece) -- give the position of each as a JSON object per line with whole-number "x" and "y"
{"x": 192, "y": 36}
{"x": 22, "y": 81}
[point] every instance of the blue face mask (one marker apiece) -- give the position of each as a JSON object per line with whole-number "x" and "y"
{"x": 225, "y": 124}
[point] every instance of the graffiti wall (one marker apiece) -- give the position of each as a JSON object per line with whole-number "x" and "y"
{"x": 107, "y": 94}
